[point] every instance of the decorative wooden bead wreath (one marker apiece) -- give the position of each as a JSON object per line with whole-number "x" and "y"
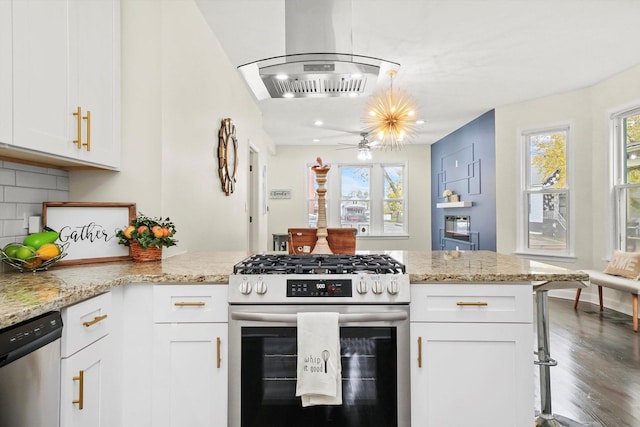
{"x": 227, "y": 155}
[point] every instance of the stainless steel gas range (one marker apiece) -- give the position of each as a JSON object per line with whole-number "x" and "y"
{"x": 371, "y": 295}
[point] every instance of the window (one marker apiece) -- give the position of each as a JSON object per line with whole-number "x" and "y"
{"x": 545, "y": 199}
{"x": 355, "y": 197}
{"x": 626, "y": 139}
{"x": 370, "y": 198}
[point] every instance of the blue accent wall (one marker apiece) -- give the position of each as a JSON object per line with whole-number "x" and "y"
{"x": 464, "y": 162}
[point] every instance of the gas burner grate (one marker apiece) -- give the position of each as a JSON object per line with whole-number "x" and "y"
{"x": 319, "y": 264}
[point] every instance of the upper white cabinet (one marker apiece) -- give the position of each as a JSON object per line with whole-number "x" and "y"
{"x": 6, "y": 82}
{"x": 66, "y": 79}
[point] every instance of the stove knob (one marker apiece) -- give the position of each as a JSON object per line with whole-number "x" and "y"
{"x": 245, "y": 287}
{"x": 393, "y": 287}
{"x": 362, "y": 287}
{"x": 377, "y": 287}
{"x": 261, "y": 287}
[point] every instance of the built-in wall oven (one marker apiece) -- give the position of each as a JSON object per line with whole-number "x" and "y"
{"x": 371, "y": 295}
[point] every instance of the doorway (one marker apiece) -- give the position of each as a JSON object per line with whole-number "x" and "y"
{"x": 253, "y": 225}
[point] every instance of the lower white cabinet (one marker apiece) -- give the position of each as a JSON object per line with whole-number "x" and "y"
{"x": 190, "y": 375}
{"x": 472, "y": 355}
{"x": 190, "y": 362}
{"x": 87, "y": 397}
{"x": 83, "y": 399}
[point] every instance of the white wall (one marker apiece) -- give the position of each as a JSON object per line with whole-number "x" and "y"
{"x": 287, "y": 170}
{"x": 589, "y": 111}
{"x": 573, "y": 107}
{"x": 177, "y": 86}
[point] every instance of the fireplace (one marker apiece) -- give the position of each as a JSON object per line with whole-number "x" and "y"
{"x": 457, "y": 227}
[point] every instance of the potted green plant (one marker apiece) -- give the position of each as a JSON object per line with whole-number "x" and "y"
{"x": 146, "y": 236}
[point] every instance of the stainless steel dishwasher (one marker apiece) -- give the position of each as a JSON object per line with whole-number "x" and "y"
{"x": 30, "y": 372}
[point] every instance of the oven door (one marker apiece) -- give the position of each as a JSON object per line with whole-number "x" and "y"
{"x": 374, "y": 342}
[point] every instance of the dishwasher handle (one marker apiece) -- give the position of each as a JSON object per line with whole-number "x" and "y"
{"x": 343, "y": 317}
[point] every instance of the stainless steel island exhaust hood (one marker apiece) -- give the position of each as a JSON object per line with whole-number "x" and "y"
{"x": 319, "y": 61}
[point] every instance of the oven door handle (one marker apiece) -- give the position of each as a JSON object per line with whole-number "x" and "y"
{"x": 343, "y": 318}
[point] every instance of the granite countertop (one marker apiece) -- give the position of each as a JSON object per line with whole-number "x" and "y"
{"x": 26, "y": 295}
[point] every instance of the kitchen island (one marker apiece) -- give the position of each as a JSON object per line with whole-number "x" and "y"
{"x": 470, "y": 322}
{"x": 26, "y": 295}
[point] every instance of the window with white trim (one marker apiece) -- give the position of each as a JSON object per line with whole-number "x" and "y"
{"x": 545, "y": 201}
{"x": 626, "y": 140}
{"x": 369, "y": 197}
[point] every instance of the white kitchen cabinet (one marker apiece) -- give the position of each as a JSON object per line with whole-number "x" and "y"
{"x": 472, "y": 348}
{"x": 65, "y": 58}
{"x": 87, "y": 374}
{"x": 190, "y": 362}
{"x": 190, "y": 374}
{"x": 83, "y": 383}
{"x": 6, "y": 78}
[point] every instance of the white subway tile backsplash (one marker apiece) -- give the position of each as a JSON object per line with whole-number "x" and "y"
{"x": 25, "y": 195}
{"x": 23, "y": 188}
{"x": 57, "y": 196}
{"x": 57, "y": 172}
{"x": 8, "y": 211}
{"x": 28, "y": 209}
{"x": 35, "y": 180}
{"x": 23, "y": 167}
{"x": 62, "y": 183}
{"x": 7, "y": 177}
{"x": 13, "y": 227}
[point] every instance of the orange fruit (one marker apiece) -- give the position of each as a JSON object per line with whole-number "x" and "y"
{"x": 48, "y": 251}
{"x": 157, "y": 231}
{"x": 127, "y": 231}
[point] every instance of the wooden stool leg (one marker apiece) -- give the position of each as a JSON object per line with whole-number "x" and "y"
{"x": 575, "y": 304}
{"x": 634, "y": 304}
{"x": 600, "y": 297}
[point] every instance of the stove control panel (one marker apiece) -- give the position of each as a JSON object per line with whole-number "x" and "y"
{"x": 319, "y": 288}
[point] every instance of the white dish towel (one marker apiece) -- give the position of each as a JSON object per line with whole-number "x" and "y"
{"x": 319, "y": 368}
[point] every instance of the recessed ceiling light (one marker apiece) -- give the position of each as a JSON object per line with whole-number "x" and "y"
{"x": 356, "y": 76}
{"x": 282, "y": 77}
{"x": 419, "y": 122}
{"x": 318, "y": 123}
{"x": 352, "y": 94}
{"x": 316, "y": 140}
{"x": 287, "y": 95}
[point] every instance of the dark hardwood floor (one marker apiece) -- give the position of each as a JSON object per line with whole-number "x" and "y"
{"x": 597, "y": 380}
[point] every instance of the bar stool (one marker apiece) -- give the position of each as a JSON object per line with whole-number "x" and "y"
{"x": 546, "y": 418}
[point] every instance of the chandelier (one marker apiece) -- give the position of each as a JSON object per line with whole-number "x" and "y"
{"x": 391, "y": 116}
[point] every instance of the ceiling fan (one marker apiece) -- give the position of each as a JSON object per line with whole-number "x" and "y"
{"x": 363, "y": 144}
{"x": 364, "y": 147}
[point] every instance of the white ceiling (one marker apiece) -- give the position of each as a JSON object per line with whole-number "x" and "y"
{"x": 458, "y": 58}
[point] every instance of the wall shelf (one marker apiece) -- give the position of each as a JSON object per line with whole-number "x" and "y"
{"x": 454, "y": 205}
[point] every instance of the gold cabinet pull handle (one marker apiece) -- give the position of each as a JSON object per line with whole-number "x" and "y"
{"x": 189, "y": 304}
{"x": 80, "y": 400}
{"x": 78, "y": 140}
{"x": 472, "y": 303}
{"x": 94, "y": 321}
{"x": 88, "y": 119}
{"x": 419, "y": 352}
{"x": 218, "y": 352}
